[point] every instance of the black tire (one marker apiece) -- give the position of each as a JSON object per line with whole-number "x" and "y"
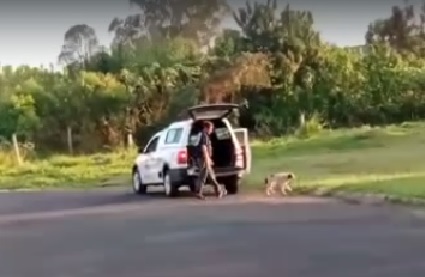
{"x": 231, "y": 184}
{"x": 139, "y": 188}
{"x": 170, "y": 187}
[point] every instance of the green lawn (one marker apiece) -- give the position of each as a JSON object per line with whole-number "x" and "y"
{"x": 387, "y": 160}
{"x": 61, "y": 171}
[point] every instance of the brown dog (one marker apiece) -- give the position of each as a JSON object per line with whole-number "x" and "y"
{"x": 281, "y": 179}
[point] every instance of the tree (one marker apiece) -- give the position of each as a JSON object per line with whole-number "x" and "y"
{"x": 228, "y": 44}
{"x": 292, "y": 46}
{"x": 155, "y": 70}
{"x": 125, "y": 31}
{"x": 80, "y": 43}
{"x": 259, "y": 24}
{"x": 400, "y": 30}
{"x": 193, "y": 19}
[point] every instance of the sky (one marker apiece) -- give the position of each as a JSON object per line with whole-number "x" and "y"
{"x": 31, "y": 31}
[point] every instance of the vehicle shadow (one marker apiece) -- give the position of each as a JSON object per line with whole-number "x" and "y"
{"x": 159, "y": 195}
{"x": 50, "y": 201}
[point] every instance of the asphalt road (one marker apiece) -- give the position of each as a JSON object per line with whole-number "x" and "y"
{"x": 113, "y": 233}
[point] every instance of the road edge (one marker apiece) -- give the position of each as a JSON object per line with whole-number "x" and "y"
{"x": 348, "y": 197}
{"x": 366, "y": 198}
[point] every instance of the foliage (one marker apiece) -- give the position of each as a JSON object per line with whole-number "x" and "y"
{"x": 158, "y": 66}
{"x": 312, "y": 127}
{"x": 80, "y": 42}
{"x": 401, "y": 30}
{"x": 158, "y": 19}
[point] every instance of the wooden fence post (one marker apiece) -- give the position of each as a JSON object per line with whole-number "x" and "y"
{"x": 130, "y": 142}
{"x": 302, "y": 119}
{"x": 16, "y": 149}
{"x": 69, "y": 140}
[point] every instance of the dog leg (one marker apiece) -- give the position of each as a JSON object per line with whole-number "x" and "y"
{"x": 271, "y": 189}
{"x": 284, "y": 188}
{"x": 268, "y": 191}
{"x": 288, "y": 186}
{"x": 283, "y": 191}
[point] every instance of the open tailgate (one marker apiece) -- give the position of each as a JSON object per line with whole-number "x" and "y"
{"x": 211, "y": 111}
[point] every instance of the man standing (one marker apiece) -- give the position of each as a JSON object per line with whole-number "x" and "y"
{"x": 204, "y": 162}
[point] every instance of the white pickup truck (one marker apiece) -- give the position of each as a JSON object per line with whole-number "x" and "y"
{"x": 167, "y": 161}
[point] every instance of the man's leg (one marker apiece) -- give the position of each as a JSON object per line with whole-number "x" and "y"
{"x": 218, "y": 188}
{"x": 203, "y": 173}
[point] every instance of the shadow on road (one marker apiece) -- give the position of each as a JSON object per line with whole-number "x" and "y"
{"x": 31, "y": 202}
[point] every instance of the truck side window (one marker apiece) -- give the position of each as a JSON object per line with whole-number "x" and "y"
{"x": 194, "y": 139}
{"x": 151, "y": 147}
{"x": 174, "y": 136}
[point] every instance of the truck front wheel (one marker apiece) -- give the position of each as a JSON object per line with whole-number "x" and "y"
{"x": 138, "y": 186}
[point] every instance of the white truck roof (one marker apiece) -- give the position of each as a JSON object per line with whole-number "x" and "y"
{"x": 179, "y": 124}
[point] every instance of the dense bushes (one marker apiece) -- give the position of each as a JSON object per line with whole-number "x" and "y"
{"x": 139, "y": 86}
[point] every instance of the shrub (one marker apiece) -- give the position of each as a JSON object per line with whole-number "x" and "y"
{"x": 311, "y": 127}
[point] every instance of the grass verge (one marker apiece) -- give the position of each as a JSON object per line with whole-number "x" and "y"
{"x": 386, "y": 160}
{"x": 62, "y": 171}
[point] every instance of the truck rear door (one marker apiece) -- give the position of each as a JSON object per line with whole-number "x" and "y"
{"x": 242, "y": 136}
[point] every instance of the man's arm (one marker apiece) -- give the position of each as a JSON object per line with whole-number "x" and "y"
{"x": 206, "y": 154}
{"x": 205, "y": 150}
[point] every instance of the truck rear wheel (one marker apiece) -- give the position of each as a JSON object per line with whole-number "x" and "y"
{"x": 232, "y": 184}
{"x": 170, "y": 187}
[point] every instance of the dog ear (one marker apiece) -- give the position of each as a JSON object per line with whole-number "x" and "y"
{"x": 266, "y": 181}
{"x": 290, "y": 176}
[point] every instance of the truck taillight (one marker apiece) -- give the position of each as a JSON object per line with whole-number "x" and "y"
{"x": 243, "y": 150}
{"x": 182, "y": 157}
{"x": 239, "y": 157}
